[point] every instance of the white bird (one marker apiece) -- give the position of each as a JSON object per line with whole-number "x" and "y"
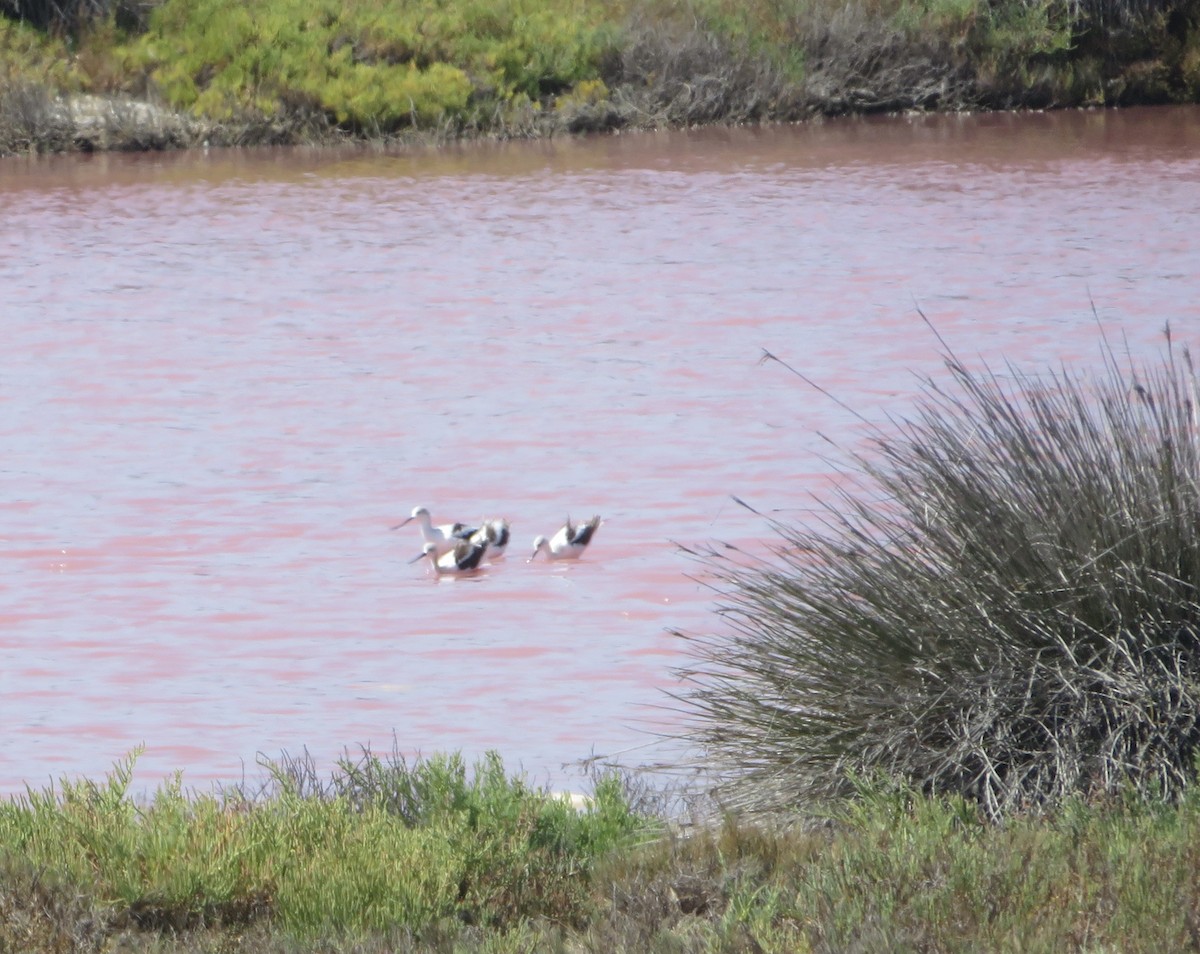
{"x": 495, "y": 533}
{"x": 466, "y": 557}
{"x": 569, "y": 543}
{"x": 444, "y": 536}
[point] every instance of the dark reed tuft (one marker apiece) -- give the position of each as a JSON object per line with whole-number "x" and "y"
{"x": 1011, "y": 612}
{"x": 70, "y": 16}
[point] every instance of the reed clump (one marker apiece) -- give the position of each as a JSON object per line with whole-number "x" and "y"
{"x": 1002, "y": 604}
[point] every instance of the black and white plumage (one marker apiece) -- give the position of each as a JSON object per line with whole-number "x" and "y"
{"x": 495, "y": 533}
{"x": 569, "y": 542}
{"x": 465, "y": 557}
{"x": 445, "y": 536}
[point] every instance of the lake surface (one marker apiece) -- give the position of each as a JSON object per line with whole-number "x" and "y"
{"x": 225, "y": 376}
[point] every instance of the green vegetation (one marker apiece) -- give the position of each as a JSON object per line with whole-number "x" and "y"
{"x": 428, "y": 858}
{"x": 288, "y": 71}
{"x": 381, "y": 846}
{"x": 959, "y": 714}
{"x": 366, "y": 66}
{"x": 895, "y": 871}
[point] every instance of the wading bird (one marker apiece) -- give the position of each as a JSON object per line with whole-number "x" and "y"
{"x": 569, "y": 543}
{"x": 444, "y": 536}
{"x": 496, "y": 534}
{"x": 466, "y": 557}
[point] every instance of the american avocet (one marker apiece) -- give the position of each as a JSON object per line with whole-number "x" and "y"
{"x": 569, "y": 543}
{"x": 466, "y": 557}
{"x": 496, "y": 534}
{"x": 444, "y": 536}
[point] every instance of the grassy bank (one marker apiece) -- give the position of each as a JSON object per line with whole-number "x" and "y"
{"x": 96, "y": 74}
{"x": 430, "y": 857}
{"x": 380, "y": 849}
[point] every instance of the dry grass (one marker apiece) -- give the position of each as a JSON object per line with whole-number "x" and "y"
{"x": 861, "y": 62}
{"x": 34, "y": 119}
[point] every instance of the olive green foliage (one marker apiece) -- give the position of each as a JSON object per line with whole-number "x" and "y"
{"x": 381, "y": 846}
{"x": 26, "y": 53}
{"x": 888, "y": 870}
{"x": 895, "y": 871}
{"x": 928, "y": 874}
{"x": 1003, "y": 604}
{"x": 1018, "y": 30}
{"x": 374, "y": 66}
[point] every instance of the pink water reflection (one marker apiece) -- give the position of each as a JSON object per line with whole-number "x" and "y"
{"x": 225, "y": 376}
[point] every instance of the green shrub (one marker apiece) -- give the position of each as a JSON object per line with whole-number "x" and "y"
{"x": 368, "y": 66}
{"x": 381, "y": 846}
{"x": 1016, "y": 31}
{"x": 26, "y": 54}
{"x": 1007, "y": 608}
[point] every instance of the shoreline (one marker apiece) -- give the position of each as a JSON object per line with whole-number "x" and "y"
{"x": 167, "y": 74}
{"x": 655, "y": 76}
{"x": 90, "y": 123}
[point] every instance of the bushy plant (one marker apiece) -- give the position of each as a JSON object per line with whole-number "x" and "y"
{"x": 374, "y": 67}
{"x": 380, "y": 846}
{"x": 1002, "y": 603}
{"x": 27, "y": 54}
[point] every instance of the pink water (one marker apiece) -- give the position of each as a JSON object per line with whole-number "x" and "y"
{"x": 223, "y": 377}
